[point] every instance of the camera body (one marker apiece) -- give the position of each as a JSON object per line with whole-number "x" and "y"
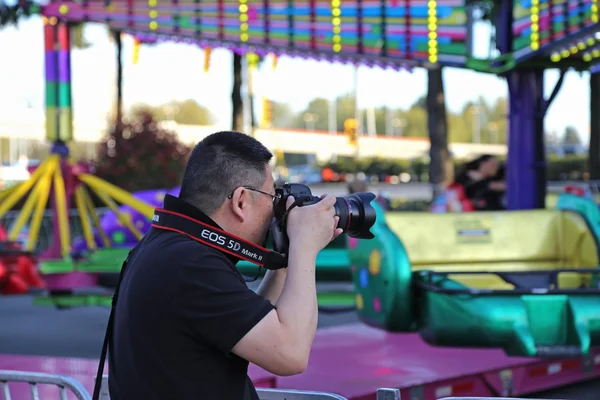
{"x": 356, "y": 215}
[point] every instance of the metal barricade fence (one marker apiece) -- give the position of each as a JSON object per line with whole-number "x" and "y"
{"x": 66, "y": 384}
{"x": 263, "y": 394}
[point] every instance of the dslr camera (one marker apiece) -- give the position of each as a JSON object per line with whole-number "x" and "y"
{"x": 355, "y": 212}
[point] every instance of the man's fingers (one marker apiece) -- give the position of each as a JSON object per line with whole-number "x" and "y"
{"x": 328, "y": 201}
{"x": 288, "y": 203}
{"x": 337, "y": 232}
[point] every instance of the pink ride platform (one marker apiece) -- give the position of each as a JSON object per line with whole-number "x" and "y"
{"x": 355, "y": 360}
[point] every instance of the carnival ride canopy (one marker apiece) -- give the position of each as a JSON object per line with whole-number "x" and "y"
{"x": 387, "y": 33}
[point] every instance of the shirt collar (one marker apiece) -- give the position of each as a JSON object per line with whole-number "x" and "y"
{"x": 180, "y": 206}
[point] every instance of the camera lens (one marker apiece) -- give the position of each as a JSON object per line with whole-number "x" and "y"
{"x": 357, "y": 216}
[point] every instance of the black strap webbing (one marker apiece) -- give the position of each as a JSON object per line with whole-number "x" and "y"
{"x": 218, "y": 239}
{"x": 108, "y": 334}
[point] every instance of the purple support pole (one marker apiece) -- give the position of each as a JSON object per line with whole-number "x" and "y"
{"x": 526, "y": 168}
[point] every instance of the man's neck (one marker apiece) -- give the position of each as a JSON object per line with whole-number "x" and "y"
{"x": 224, "y": 222}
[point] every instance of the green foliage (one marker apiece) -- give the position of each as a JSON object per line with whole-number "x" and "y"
{"x": 78, "y": 39}
{"x": 573, "y": 167}
{"x": 571, "y": 136}
{"x": 140, "y": 155}
{"x": 489, "y": 119}
{"x": 559, "y": 169}
{"x": 187, "y": 112}
{"x": 11, "y": 14}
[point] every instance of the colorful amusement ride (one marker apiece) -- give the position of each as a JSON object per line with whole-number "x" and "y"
{"x": 477, "y": 304}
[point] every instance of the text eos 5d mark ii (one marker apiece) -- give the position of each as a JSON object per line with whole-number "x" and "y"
{"x": 356, "y": 217}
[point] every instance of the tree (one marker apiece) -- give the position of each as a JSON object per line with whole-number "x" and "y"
{"x": 140, "y": 155}
{"x": 416, "y": 124}
{"x": 571, "y": 137}
{"x": 440, "y": 165}
{"x": 187, "y": 112}
{"x": 78, "y": 39}
{"x": 11, "y": 14}
{"x": 282, "y": 115}
{"x": 551, "y": 138}
{"x": 491, "y": 118}
{"x": 315, "y": 116}
{"x": 116, "y": 36}
{"x": 237, "y": 103}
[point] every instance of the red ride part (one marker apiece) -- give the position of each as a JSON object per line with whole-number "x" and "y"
{"x": 467, "y": 205}
{"x": 575, "y": 190}
{"x": 27, "y": 270}
{"x": 3, "y": 275}
{"x": 18, "y": 274}
{"x": 15, "y": 285}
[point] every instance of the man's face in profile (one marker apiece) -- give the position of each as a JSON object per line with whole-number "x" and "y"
{"x": 263, "y": 207}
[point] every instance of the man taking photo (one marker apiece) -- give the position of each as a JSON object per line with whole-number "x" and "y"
{"x": 185, "y": 323}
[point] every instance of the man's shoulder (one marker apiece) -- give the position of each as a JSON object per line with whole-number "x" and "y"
{"x": 183, "y": 248}
{"x": 192, "y": 258}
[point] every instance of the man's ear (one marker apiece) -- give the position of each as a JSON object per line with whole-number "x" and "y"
{"x": 239, "y": 202}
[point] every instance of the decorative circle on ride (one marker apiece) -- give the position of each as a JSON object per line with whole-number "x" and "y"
{"x": 375, "y": 262}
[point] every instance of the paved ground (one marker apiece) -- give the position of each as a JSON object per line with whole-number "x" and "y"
{"x": 29, "y": 330}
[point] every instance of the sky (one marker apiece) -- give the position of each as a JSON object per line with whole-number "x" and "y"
{"x": 173, "y": 71}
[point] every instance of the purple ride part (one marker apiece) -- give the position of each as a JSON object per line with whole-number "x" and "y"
{"x": 119, "y": 234}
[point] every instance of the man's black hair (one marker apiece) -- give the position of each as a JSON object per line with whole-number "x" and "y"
{"x": 219, "y": 164}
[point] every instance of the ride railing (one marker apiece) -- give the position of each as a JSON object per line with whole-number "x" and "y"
{"x": 69, "y": 387}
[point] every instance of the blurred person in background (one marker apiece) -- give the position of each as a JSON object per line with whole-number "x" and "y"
{"x": 483, "y": 182}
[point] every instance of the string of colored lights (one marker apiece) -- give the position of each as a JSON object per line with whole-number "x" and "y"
{"x": 336, "y": 13}
{"x": 432, "y": 48}
{"x": 589, "y": 44}
{"x": 535, "y": 25}
{"x": 153, "y": 14}
{"x": 243, "y": 7}
{"x": 594, "y": 9}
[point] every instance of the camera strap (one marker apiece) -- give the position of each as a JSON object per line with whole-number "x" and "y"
{"x": 218, "y": 239}
{"x": 108, "y": 333}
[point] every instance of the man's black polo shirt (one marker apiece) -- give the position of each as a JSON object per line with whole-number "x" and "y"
{"x": 182, "y": 307}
